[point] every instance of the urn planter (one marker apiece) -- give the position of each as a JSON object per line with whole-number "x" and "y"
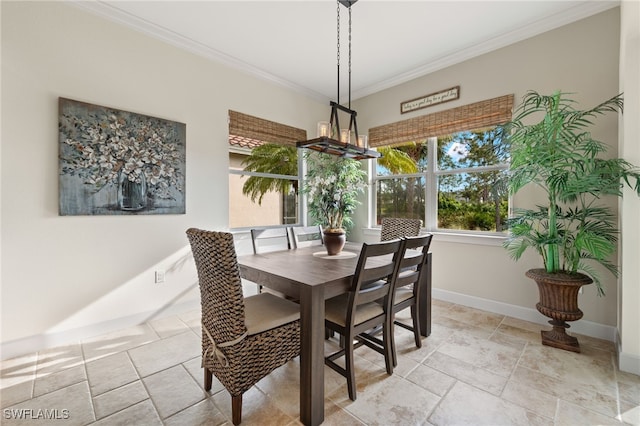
{"x": 559, "y": 301}
{"x": 334, "y": 241}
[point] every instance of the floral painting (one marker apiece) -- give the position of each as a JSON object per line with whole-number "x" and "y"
{"x": 114, "y": 162}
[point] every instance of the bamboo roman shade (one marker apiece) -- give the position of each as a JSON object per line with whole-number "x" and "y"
{"x": 467, "y": 117}
{"x": 264, "y": 130}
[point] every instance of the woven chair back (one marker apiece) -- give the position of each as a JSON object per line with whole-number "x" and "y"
{"x": 220, "y": 285}
{"x": 393, "y": 228}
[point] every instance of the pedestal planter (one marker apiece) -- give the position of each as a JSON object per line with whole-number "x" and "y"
{"x": 559, "y": 301}
{"x": 334, "y": 241}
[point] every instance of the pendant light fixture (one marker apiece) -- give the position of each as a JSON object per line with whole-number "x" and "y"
{"x": 331, "y": 138}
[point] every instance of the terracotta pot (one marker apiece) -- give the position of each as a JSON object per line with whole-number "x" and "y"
{"x": 559, "y": 301}
{"x": 334, "y": 241}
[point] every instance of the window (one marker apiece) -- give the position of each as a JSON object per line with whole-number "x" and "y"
{"x": 451, "y": 182}
{"x": 263, "y": 172}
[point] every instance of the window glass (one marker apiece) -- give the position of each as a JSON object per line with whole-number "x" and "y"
{"x": 472, "y": 201}
{"x": 471, "y": 149}
{"x": 462, "y": 189}
{"x": 263, "y": 183}
{"x": 400, "y": 197}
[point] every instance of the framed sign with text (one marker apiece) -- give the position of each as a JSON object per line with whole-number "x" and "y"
{"x": 430, "y": 100}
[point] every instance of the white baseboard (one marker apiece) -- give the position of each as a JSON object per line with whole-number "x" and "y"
{"x": 627, "y": 362}
{"x": 40, "y": 342}
{"x": 588, "y": 328}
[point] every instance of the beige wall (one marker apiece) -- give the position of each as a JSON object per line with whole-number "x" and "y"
{"x": 66, "y": 275}
{"x": 91, "y": 273}
{"x": 245, "y": 213}
{"x": 581, "y": 58}
{"x": 629, "y": 295}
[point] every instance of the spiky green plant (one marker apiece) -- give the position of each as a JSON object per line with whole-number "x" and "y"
{"x": 559, "y": 155}
{"x": 270, "y": 158}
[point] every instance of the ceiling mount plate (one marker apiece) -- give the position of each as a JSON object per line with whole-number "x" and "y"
{"x": 347, "y": 3}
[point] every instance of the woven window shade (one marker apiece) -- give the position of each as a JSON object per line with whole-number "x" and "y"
{"x": 264, "y": 130}
{"x": 467, "y": 117}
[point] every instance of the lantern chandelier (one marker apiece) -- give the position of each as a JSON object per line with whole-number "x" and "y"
{"x": 332, "y": 139}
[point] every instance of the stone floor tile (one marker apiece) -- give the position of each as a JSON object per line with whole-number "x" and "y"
{"x": 592, "y": 369}
{"x": 257, "y": 409}
{"x": 568, "y": 390}
{"x": 118, "y": 341}
{"x": 118, "y": 399}
{"x": 169, "y": 326}
{"x": 58, "y": 359}
{"x": 482, "y": 353}
{"x": 110, "y": 372}
{"x": 173, "y": 390}
{"x": 393, "y": 401}
{"x": 142, "y": 413}
{"x": 541, "y": 403}
{"x": 431, "y": 379}
{"x": 70, "y": 405}
{"x": 51, "y": 382}
{"x": 570, "y": 415}
{"x": 468, "y": 373}
{"x": 467, "y": 405}
{"x": 194, "y": 367}
{"x": 165, "y": 353}
{"x": 204, "y": 413}
{"x": 16, "y": 393}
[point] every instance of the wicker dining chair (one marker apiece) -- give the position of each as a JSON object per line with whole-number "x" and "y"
{"x": 393, "y": 227}
{"x": 243, "y": 339}
{"x": 306, "y": 236}
{"x": 366, "y": 306}
{"x": 409, "y": 283}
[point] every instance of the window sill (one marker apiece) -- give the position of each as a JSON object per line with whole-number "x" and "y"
{"x": 454, "y": 237}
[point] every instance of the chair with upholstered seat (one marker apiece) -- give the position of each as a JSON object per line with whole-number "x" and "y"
{"x": 265, "y": 240}
{"x": 409, "y": 283}
{"x": 243, "y": 339}
{"x": 366, "y": 306}
{"x": 394, "y": 227}
{"x": 306, "y": 236}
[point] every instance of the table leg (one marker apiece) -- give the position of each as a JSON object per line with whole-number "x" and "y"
{"x": 312, "y": 355}
{"x": 424, "y": 299}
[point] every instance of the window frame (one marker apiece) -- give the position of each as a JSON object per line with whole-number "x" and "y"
{"x": 431, "y": 175}
{"x": 266, "y": 131}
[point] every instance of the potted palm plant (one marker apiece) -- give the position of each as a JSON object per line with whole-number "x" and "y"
{"x": 332, "y": 185}
{"x": 574, "y": 230}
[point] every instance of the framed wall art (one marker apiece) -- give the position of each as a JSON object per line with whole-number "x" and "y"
{"x": 115, "y": 162}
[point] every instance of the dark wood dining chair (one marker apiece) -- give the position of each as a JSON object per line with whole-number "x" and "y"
{"x": 394, "y": 227}
{"x": 265, "y": 240}
{"x": 306, "y": 236}
{"x": 366, "y": 306}
{"x": 409, "y": 283}
{"x": 243, "y": 339}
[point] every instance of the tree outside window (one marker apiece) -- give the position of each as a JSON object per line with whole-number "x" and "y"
{"x": 460, "y": 190}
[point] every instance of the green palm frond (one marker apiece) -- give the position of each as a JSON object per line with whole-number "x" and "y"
{"x": 274, "y": 159}
{"x": 552, "y": 148}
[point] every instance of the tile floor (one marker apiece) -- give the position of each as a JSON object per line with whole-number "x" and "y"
{"x": 476, "y": 368}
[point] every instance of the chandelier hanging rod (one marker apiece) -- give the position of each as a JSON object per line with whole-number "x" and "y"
{"x": 350, "y": 144}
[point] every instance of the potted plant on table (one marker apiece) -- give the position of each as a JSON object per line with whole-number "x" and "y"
{"x": 574, "y": 230}
{"x": 332, "y": 185}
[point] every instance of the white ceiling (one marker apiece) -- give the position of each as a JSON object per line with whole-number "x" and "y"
{"x": 293, "y": 43}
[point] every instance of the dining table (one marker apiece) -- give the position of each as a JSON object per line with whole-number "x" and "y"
{"x": 311, "y": 276}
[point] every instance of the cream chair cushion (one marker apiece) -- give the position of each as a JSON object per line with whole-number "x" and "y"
{"x": 265, "y": 311}
{"x": 336, "y": 310}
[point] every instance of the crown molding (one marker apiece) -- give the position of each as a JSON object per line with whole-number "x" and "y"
{"x": 576, "y": 13}
{"x": 113, "y": 14}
